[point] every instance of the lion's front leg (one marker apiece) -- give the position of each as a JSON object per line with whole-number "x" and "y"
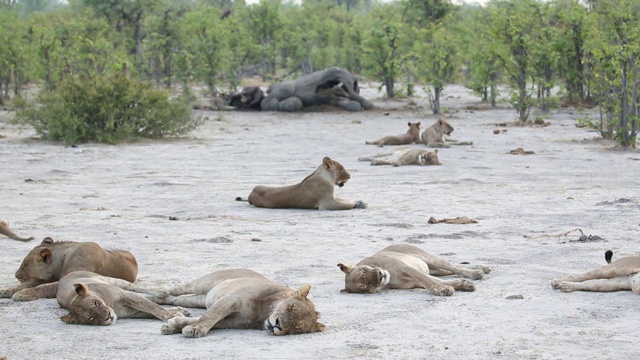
{"x": 339, "y": 204}
{"x": 146, "y": 308}
{"x": 129, "y": 286}
{"x": 7, "y": 293}
{"x": 604, "y": 272}
{"x": 44, "y": 291}
{"x": 218, "y": 311}
{"x": 428, "y": 282}
{"x": 598, "y": 285}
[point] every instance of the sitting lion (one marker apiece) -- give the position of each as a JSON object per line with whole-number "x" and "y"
{"x": 94, "y": 299}
{"x": 242, "y": 299}
{"x": 404, "y": 156}
{"x": 48, "y": 262}
{"x": 412, "y": 135}
{"x": 434, "y": 135}
{"x": 405, "y": 266}
{"x": 4, "y": 230}
{"x": 314, "y": 192}
{"x": 622, "y": 274}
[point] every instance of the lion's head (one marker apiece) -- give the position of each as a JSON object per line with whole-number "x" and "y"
{"x": 38, "y": 264}
{"x": 87, "y": 308}
{"x": 363, "y": 278}
{"x": 294, "y": 315}
{"x": 430, "y": 158}
{"x": 444, "y": 127}
{"x": 340, "y": 175}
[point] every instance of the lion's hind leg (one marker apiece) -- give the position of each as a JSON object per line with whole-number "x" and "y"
{"x": 141, "y": 307}
{"x": 176, "y": 324}
{"x": 598, "y": 285}
{"x": 439, "y": 267}
{"x": 192, "y": 301}
{"x": 605, "y": 272}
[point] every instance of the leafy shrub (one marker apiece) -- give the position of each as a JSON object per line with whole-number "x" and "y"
{"x": 108, "y": 109}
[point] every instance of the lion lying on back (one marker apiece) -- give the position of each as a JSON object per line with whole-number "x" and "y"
{"x": 622, "y": 274}
{"x": 242, "y": 299}
{"x": 404, "y": 156}
{"x": 405, "y": 266}
{"x": 412, "y": 135}
{"x": 434, "y": 135}
{"x": 48, "y": 262}
{"x": 314, "y": 192}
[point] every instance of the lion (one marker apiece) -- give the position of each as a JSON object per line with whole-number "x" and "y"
{"x": 404, "y": 156}
{"x": 405, "y": 266}
{"x": 48, "y": 262}
{"x": 314, "y": 192}
{"x": 4, "y": 230}
{"x": 412, "y": 135}
{"x": 622, "y": 274}
{"x": 434, "y": 136}
{"x": 242, "y": 299}
{"x": 93, "y": 299}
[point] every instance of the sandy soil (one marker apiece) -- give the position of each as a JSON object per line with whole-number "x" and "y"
{"x": 125, "y": 197}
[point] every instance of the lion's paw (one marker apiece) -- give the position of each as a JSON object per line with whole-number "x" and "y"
{"x": 467, "y": 286}
{"x": 194, "y": 331}
{"x": 360, "y": 205}
{"x": 170, "y": 327}
{"x": 566, "y": 287}
{"x": 6, "y": 293}
{"x": 486, "y": 269}
{"x": 25, "y": 295}
{"x": 556, "y": 283}
{"x": 443, "y": 290}
{"x": 160, "y": 294}
{"x": 179, "y": 311}
{"x": 476, "y": 274}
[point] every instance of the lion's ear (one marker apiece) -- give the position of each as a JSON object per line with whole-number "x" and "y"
{"x": 47, "y": 241}
{"x": 69, "y": 319}
{"x": 82, "y": 290}
{"x": 418, "y": 123}
{"x": 440, "y": 121}
{"x": 409, "y": 124}
{"x": 345, "y": 268}
{"x": 436, "y": 151}
{"x": 44, "y": 255}
{"x": 327, "y": 162}
{"x": 303, "y": 291}
{"x": 320, "y": 327}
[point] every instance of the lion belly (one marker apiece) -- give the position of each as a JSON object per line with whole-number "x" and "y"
{"x": 285, "y": 197}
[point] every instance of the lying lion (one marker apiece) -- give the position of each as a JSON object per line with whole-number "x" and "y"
{"x": 48, "y": 262}
{"x": 314, "y": 192}
{"x": 405, "y": 266}
{"x": 622, "y": 274}
{"x": 4, "y": 230}
{"x": 434, "y": 136}
{"x": 404, "y": 156}
{"x": 411, "y": 136}
{"x": 242, "y": 299}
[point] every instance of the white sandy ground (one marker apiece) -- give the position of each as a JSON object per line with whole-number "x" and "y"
{"x": 122, "y": 197}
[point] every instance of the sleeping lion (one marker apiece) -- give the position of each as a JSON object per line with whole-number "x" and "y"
{"x": 404, "y": 156}
{"x": 405, "y": 266}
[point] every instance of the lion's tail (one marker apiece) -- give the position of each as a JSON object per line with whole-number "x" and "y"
{"x": 608, "y": 255}
{"x": 239, "y": 198}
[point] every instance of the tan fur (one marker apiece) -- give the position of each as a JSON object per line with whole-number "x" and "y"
{"x": 242, "y": 299}
{"x": 314, "y": 192}
{"x": 434, "y": 136}
{"x": 412, "y": 135}
{"x": 4, "y": 230}
{"x": 94, "y": 299}
{"x": 405, "y": 266}
{"x": 48, "y": 262}
{"x": 622, "y": 274}
{"x": 404, "y": 156}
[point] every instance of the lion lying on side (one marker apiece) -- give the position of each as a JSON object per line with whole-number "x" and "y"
{"x": 406, "y": 266}
{"x": 48, "y": 262}
{"x": 404, "y": 156}
{"x": 242, "y": 299}
{"x": 412, "y": 135}
{"x": 314, "y": 192}
{"x": 622, "y": 274}
{"x": 4, "y": 230}
{"x": 434, "y": 136}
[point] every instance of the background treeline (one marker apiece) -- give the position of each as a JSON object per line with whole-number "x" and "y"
{"x": 587, "y": 49}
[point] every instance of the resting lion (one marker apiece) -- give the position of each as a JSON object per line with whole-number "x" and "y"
{"x": 412, "y": 135}
{"x": 314, "y": 192}
{"x": 242, "y": 299}
{"x": 48, "y": 262}
{"x": 4, "y": 230}
{"x": 434, "y": 136}
{"x": 405, "y": 266}
{"x": 94, "y": 299}
{"x": 404, "y": 156}
{"x": 622, "y": 274}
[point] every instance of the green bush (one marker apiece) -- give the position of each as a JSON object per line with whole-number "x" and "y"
{"x": 108, "y": 109}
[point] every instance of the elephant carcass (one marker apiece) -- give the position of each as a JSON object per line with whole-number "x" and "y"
{"x": 332, "y": 86}
{"x": 248, "y": 99}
